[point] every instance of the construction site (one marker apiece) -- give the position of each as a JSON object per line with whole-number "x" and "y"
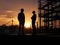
{"x": 49, "y": 15}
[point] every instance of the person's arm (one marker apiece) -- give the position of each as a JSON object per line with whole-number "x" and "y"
{"x": 32, "y": 17}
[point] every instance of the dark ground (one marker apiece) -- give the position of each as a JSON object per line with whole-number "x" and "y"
{"x": 30, "y": 37}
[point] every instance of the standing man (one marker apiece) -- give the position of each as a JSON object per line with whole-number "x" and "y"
{"x": 21, "y": 19}
{"x": 33, "y": 22}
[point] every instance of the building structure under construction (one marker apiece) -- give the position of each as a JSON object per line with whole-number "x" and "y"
{"x": 49, "y": 15}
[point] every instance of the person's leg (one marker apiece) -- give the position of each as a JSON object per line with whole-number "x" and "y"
{"x": 22, "y": 29}
{"x": 19, "y": 29}
{"x": 34, "y": 28}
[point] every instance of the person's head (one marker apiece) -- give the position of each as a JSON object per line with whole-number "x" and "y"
{"x": 22, "y": 10}
{"x": 33, "y": 12}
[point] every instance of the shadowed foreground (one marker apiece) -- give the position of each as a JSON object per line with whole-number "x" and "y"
{"x": 40, "y": 37}
{"x": 27, "y": 38}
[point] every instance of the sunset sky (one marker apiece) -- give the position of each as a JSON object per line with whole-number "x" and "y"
{"x": 9, "y": 10}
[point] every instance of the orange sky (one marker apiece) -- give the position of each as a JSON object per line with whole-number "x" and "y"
{"x": 9, "y": 10}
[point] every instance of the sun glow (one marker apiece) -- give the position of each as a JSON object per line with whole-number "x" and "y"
{"x": 27, "y": 25}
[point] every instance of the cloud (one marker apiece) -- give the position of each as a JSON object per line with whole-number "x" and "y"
{"x": 11, "y": 8}
{"x": 9, "y": 11}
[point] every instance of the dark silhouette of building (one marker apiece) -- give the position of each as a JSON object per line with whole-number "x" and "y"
{"x": 21, "y": 19}
{"x": 33, "y": 22}
{"x": 50, "y": 15}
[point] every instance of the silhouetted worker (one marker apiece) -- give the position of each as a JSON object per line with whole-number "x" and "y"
{"x": 21, "y": 19}
{"x": 33, "y": 22}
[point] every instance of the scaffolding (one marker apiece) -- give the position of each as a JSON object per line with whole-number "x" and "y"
{"x": 49, "y": 11}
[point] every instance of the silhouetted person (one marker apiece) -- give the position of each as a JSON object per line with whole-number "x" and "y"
{"x": 33, "y": 22}
{"x": 21, "y": 19}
